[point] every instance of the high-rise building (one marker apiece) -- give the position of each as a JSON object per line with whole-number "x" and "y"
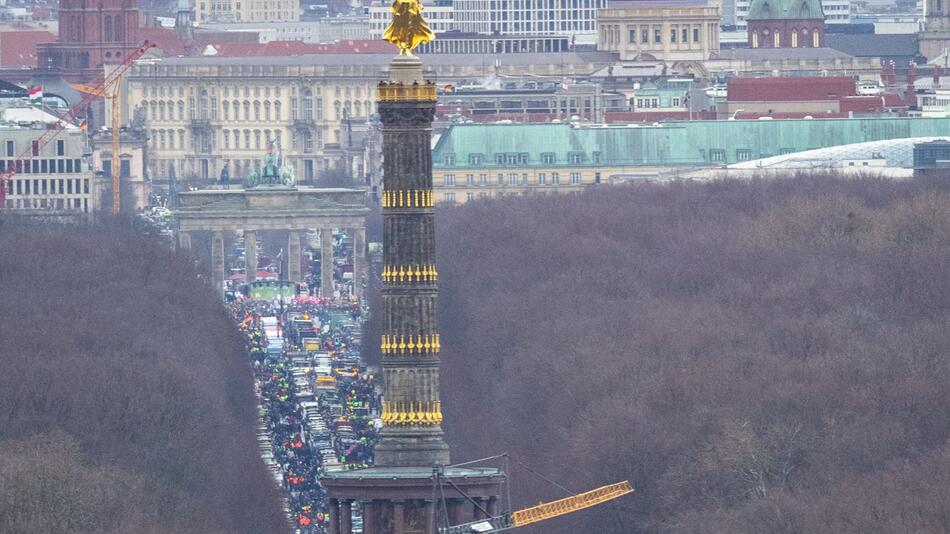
{"x": 57, "y": 179}
{"x": 575, "y": 18}
{"x": 92, "y": 33}
{"x": 398, "y": 494}
{"x": 247, "y": 11}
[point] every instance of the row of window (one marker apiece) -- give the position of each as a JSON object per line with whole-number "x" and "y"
{"x": 718, "y": 155}
{"x": 49, "y": 203}
{"x": 514, "y": 178}
{"x": 42, "y": 166}
{"x": 521, "y": 158}
{"x": 449, "y": 196}
{"x": 9, "y": 148}
{"x": 48, "y": 186}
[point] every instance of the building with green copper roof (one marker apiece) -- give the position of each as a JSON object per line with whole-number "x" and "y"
{"x": 785, "y": 10}
{"x": 480, "y": 160}
{"x": 786, "y": 24}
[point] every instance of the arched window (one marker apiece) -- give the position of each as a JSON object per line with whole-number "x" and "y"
{"x": 777, "y": 39}
{"x": 119, "y": 29}
{"x": 161, "y": 110}
{"x": 307, "y": 142}
{"x": 181, "y": 110}
{"x": 794, "y": 38}
{"x": 247, "y": 110}
{"x": 337, "y": 108}
{"x": 257, "y": 139}
{"x": 257, "y": 110}
{"x": 755, "y": 39}
{"x": 154, "y": 110}
{"x": 267, "y": 110}
{"x": 226, "y": 109}
{"x": 181, "y": 138}
{"x": 237, "y": 110}
{"x": 815, "y": 38}
{"x": 227, "y": 139}
{"x": 308, "y": 105}
{"x": 247, "y": 139}
{"x": 161, "y": 139}
{"x": 277, "y": 110}
{"x": 107, "y": 28}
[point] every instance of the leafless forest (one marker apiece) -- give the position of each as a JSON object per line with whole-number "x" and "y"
{"x": 755, "y": 357}
{"x": 125, "y": 400}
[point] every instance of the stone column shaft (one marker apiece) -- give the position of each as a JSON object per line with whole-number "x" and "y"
{"x": 217, "y": 262}
{"x": 431, "y": 509}
{"x": 359, "y": 260}
{"x": 456, "y": 511}
{"x": 250, "y": 256}
{"x": 184, "y": 241}
{"x": 293, "y": 256}
{"x": 412, "y": 434}
{"x": 369, "y": 518}
{"x": 326, "y": 263}
{"x": 399, "y": 517}
{"x": 334, "y": 517}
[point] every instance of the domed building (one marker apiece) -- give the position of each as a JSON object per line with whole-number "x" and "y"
{"x": 786, "y": 24}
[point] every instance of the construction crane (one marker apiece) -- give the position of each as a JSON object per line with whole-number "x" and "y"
{"x": 71, "y": 116}
{"x": 533, "y": 514}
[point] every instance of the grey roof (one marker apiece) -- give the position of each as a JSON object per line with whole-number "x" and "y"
{"x": 776, "y": 54}
{"x": 553, "y": 58}
{"x": 874, "y": 45}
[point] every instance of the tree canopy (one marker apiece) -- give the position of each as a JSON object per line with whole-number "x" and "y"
{"x": 755, "y": 356}
{"x": 126, "y": 400}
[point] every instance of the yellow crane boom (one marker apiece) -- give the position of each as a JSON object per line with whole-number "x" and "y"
{"x": 571, "y": 504}
{"x": 542, "y": 511}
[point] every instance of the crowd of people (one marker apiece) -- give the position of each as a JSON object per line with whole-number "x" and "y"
{"x": 309, "y": 429}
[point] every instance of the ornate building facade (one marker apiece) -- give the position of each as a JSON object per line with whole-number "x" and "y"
{"x": 205, "y": 116}
{"x": 786, "y": 24}
{"x": 670, "y": 31}
{"x": 92, "y": 33}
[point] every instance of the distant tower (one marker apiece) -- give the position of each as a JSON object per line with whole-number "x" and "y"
{"x": 185, "y": 21}
{"x": 92, "y": 33}
{"x": 786, "y": 24}
{"x": 396, "y": 495}
{"x": 935, "y": 37}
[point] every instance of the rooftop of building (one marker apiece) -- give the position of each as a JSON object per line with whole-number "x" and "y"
{"x": 668, "y": 144}
{"x": 781, "y": 54}
{"x": 382, "y": 59}
{"x": 18, "y": 48}
{"x": 897, "y": 153}
{"x": 874, "y": 45}
{"x": 775, "y": 89}
{"x": 296, "y": 48}
{"x": 785, "y": 10}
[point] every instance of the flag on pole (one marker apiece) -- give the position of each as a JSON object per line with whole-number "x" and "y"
{"x": 36, "y": 93}
{"x": 84, "y": 125}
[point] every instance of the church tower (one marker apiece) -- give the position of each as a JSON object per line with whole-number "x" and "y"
{"x": 92, "y": 33}
{"x": 935, "y": 37}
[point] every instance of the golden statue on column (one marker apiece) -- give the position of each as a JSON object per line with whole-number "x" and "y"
{"x": 408, "y": 29}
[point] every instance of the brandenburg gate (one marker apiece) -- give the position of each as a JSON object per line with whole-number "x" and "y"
{"x": 275, "y": 207}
